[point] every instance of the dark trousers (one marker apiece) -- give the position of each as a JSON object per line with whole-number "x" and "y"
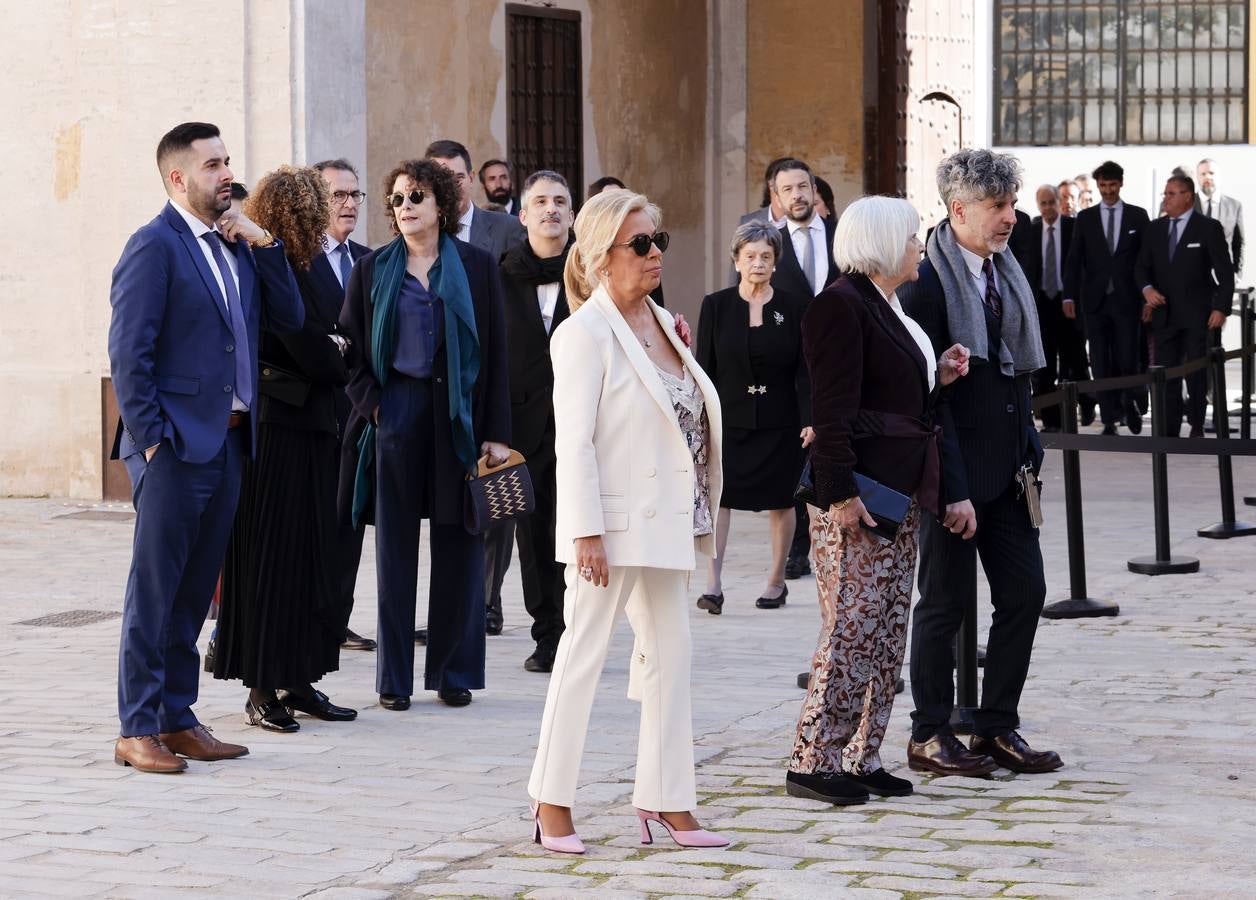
{"x": 543, "y": 578}
{"x": 1064, "y": 347}
{"x": 1113, "y": 352}
{"x": 350, "y": 546}
{"x": 800, "y": 547}
{"x": 1175, "y": 346}
{"x": 183, "y": 515}
{"x": 1007, "y": 545}
{"x": 499, "y": 542}
{"x": 455, "y": 615}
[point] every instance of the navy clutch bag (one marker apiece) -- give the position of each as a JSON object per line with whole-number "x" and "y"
{"x": 498, "y": 493}
{"x": 884, "y": 504}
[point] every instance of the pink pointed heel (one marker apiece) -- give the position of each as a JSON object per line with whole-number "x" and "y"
{"x": 568, "y": 844}
{"x": 699, "y": 838}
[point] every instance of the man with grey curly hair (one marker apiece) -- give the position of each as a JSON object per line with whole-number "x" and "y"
{"x": 971, "y": 290}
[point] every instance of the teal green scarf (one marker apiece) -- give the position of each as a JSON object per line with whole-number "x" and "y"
{"x": 448, "y": 281}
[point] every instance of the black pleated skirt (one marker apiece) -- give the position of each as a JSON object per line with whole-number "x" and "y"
{"x": 761, "y": 467}
{"x": 282, "y": 619}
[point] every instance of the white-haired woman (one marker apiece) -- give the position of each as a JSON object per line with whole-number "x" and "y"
{"x": 874, "y": 379}
{"x": 638, "y": 471}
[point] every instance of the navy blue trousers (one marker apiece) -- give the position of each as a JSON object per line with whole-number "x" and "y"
{"x": 403, "y": 496}
{"x": 1007, "y": 545}
{"x": 183, "y": 517}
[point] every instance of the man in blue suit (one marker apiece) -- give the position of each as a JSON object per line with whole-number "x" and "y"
{"x": 188, "y": 297}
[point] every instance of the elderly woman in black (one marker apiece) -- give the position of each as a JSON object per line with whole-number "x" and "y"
{"x": 750, "y": 344}
{"x": 429, "y": 397}
{"x": 874, "y": 380}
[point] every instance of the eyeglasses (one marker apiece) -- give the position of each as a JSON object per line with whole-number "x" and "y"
{"x": 339, "y": 197}
{"x": 640, "y": 243}
{"x": 415, "y": 197}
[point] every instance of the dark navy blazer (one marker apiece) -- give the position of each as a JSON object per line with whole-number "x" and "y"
{"x": 170, "y": 340}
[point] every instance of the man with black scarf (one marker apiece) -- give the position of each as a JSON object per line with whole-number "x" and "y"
{"x": 532, "y": 283}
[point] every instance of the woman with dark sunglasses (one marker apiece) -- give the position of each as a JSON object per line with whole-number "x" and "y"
{"x": 429, "y": 395}
{"x": 638, "y": 473}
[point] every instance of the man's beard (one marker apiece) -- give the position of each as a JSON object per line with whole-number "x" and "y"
{"x": 804, "y": 216}
{"x": 208, "y": 203}
{"x": 499, "y": 195}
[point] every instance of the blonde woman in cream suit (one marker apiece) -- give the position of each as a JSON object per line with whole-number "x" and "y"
{"x": 638, "y": 446}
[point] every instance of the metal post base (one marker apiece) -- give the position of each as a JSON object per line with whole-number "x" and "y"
{"x": 804, "y": 681}
{"x": 1080, "y": 608}
{"x": 981, "y": 657}
{"x": 1174, "y": 565}
{"x": 1250, "y": 501}
{"x": 962, "y": 719}
{"x": 1223, "y": 530}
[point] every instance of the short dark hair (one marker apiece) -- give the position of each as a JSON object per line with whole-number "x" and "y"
{"x": 789, "y": 164}
{"x": 1183, "y": 179}
{"x": 510, "y": 170}
{"x": 239, "y": 191}
{"x": 542, "y": 175}
{"x": 436, "y": 178}
{"x": 825, "y": 190}
{"x": 606, "y": 181}
{"x": 769, "y": 175}
{"x": 339, "y": 163}
{"x": 180, "y": 138}
{"x": 448, "y": 150}
{"x": 1109, "y": 171}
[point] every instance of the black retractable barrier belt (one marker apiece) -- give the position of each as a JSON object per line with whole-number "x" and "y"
{"x": 1174, "y": 446}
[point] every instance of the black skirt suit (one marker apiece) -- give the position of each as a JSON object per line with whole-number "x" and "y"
{"x": 761, "y": 377}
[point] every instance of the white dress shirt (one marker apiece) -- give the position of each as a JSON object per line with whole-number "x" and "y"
{"x": 815, "y": 231}
{"x": 918, "y": 334}
{"x": 464, "y": 224}
{"x": 547, "y": 299}
{"x": 1059, "y": 250}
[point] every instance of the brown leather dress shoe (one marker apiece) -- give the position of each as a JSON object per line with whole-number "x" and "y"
{"x": 1011, "y": 752}
{"x": 943, "y": 754}
{"x": 197, "y": 743}
{"x": 146, "y": 753}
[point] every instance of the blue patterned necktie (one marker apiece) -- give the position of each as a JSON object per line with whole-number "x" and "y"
{"x": 235, "y": 310}
{"x": 346, "y": 264}
{"x": 1173, "y": 238}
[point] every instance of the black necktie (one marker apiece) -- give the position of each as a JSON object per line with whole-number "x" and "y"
{"x": 993, "y": 300}
{"x": 1173, "y": 238}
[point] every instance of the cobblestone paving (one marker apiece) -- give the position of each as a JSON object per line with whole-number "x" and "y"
{"x": 1153, "y": 711}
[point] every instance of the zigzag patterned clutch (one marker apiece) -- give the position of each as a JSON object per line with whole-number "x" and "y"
{"x": 498, "y": 493}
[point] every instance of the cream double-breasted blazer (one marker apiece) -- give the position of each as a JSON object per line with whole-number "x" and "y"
{"x": 624, "y": 469}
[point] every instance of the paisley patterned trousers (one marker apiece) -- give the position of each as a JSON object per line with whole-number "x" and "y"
{"x": 864, "y": 584}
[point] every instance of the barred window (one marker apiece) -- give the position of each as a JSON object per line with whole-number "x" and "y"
{"x": 1120, "y": 72}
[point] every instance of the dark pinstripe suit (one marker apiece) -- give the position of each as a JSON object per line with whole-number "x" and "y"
{"x": 988, "y": 434}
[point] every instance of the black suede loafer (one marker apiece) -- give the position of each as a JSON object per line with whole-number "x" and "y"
{"x": 828, "y": 787}
{"x": 882, "y": 783}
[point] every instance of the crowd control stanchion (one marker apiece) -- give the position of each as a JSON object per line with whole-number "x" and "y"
{"x": 966, "y": 671}
{"x": 1078, "y": 605}
{"x": 1227, "y": 527}
{"x": 1164, "y": 562}
{"x": 1246, "y": 364}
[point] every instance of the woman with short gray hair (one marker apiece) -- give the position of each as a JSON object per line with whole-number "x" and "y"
{"x": 750, "y": 344}
{"x": 874, "y": 380}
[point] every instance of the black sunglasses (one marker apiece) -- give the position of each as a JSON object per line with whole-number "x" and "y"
{"x": 416, "y": 197}
{"x": 640, "y": 243}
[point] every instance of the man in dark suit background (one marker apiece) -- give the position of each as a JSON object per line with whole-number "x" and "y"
{"x": 492, "y": 231}
{"x": 1099, "y": 275}
{"x": 189, "y": 294}
{"x": 498, "y": 181}
{"x": 536, "y": 303}
{"x": 1062, "y": 342}
{"x": 1188, "y": 285}
{"x": 971, "y": 291}
{"x": 805, "y": 268}
{"x": 328, "y": 277}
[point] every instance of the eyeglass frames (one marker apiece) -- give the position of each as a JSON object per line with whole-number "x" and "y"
{"x": 416, "y": 197}
{"x": 640, "y": 243}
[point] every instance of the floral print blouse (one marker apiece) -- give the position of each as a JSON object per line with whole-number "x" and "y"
{"x": 690, "y": 408}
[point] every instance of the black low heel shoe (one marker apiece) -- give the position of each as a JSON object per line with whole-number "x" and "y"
{"x": 454, "y": 696}
{"x": 271, "y": 716}
{"x": 882, "y": 783}
{"x": 395, "y": 702}
{"x": 773, "y": 602}
{"x": 838, "y": 789}
{"x": 317, "y": 705}
{"x": 712, "y": 603}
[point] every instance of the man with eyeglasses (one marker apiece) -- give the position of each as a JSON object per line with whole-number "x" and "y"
{"x": 496, "y": 233}
{"x": 330, "y": 276}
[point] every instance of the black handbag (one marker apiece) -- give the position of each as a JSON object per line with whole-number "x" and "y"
{"x": 884, "y": 504}
{"x": 498, "y": 493}
{"x": 282, "y": 385}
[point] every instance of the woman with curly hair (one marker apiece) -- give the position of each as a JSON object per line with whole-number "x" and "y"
{"x": 429, "y": 394}
{"x": 282, "y": 616}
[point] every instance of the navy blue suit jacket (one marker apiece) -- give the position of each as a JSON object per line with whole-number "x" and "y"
{"x": 171, "y": 347}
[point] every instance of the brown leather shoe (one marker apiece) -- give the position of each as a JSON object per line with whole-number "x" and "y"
{"x": 1011, "y": 752}
{"x": 146, "y": 753}
{"x": 197, "y": 743}
{"x": 943, "y": 754}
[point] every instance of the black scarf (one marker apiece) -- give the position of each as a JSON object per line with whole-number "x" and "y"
{"x": 521, "y": 263}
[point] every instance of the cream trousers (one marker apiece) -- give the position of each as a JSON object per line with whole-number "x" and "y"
{"x": 656, "y": 601}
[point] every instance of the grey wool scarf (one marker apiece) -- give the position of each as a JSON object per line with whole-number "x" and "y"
{"x": 1020, "y": 350}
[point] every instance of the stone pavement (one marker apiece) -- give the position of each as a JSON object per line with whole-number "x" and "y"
{"x": 1153, "y": 711}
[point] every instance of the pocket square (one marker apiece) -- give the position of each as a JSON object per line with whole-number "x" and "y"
{"x": 1132, "y": 231}
{"x": 1196, "y": 244}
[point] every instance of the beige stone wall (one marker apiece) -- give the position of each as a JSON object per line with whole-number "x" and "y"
{"x": 89, "y": 90}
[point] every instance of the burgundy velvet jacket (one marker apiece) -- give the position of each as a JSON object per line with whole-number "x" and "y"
{"x": 864, "y": 362}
